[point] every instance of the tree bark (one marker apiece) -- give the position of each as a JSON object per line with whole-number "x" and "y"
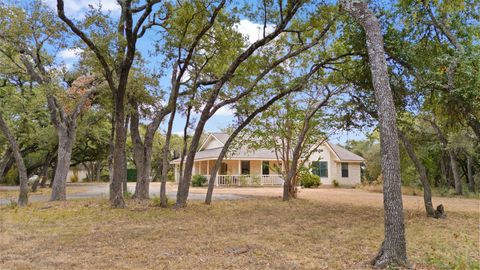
{"x": 451, "y": 155}
{"x": 427, "y": 193}
{"x": 4, "y": 162}
{"x": 22, "y": 170}
{"x": 471, "y": 181}
{"x": 393, "y": 249}
{"x": 66, "y": 139}
{"x": 142, "y": 151}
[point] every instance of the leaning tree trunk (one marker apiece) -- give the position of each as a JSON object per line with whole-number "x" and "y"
{"x": 4, "y": 162}
{"x": 22, "y": 170}
{"x": 427, "y": 193}
{"x": 66, "y": 138}
{"x": 393, "y": 249}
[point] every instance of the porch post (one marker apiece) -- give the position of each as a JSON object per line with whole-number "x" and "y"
{"x": 239, "y": 167}
{"x": 261, "y": 172}
{"x": 194, "y": 167}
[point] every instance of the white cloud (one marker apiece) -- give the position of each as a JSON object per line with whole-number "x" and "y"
{"x": 253, "y": 31}
{"x": 77, "y": 8}
{"x": 225, "y": 111}
{"x": 70, "y": 54}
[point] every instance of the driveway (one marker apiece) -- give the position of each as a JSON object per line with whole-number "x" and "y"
{"x": 101, "y": 190}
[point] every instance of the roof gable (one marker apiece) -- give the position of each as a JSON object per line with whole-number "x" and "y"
{"x": 343, "y": 154}
{"x": 213, "y": 141}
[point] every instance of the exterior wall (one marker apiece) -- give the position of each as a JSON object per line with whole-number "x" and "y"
{"x": 354, "y": 174}
{"x": 323, "y": 153}
{"x": 335, "y": 168}
{"x": 273, "y": 165}
{"x": 255, "y": 167}
{"x": 212, "y": 143}
{"x": 232, "y": 167}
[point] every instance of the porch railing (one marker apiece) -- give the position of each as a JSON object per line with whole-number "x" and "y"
{"x": 249, "y": 180}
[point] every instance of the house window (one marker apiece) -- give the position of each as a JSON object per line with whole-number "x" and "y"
{"x": 245, "y": 167}
{"x": 320, "y": 168}
{"x": 265, "y": 168}
{"x": 224, "y": 169}
{"x": 344, "y": 169}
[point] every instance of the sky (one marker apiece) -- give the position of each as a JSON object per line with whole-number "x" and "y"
{"x": 224, "y": 117}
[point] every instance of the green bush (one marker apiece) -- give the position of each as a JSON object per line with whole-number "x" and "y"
{"x": 198, "y": 180}
{"x": 335, "y": 183}
{"x": 308, "y": 180}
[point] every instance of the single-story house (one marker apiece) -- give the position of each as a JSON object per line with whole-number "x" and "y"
{"x": 262, "y": 167}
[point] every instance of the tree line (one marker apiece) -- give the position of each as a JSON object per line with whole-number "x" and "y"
{"x": 408, "y": 70}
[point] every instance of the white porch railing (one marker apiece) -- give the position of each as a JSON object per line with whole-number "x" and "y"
{"x": 249, "y": 180}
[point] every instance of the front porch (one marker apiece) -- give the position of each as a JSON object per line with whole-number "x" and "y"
{"x": 240, "y": 172}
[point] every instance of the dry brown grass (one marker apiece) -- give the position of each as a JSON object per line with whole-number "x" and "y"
{"x": 261, "y": 233}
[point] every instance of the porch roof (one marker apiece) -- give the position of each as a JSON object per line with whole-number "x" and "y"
{"x": 242, "y": 154}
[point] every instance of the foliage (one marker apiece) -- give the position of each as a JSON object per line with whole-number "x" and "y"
{"x": 74, "y": 178}
{"x": 335, "y": 183}
{"x": 309, "y": 180}
{"x": 198, "y": 180}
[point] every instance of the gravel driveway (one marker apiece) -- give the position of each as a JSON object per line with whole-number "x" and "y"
{"x": 100, "y": 190}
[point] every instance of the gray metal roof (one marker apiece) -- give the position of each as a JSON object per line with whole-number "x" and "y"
{"x": 244, "y": 153}
{"x": 344, "y": 154}
{"x": 262, "y": 154}
{"x": 221, "y": 136}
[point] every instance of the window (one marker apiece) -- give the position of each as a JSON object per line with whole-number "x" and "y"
{"x": 224, "y": 169}
{"x": 265, "y": 168}
{"x": 245, "y": 167}
{"x": 344, "y": 169}
{"x": 320, "y": 168}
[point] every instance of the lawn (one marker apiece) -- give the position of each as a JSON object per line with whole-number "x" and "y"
{"x": 256, "y": 233}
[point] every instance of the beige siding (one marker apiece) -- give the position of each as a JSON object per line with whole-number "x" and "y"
{"x": 232, "y": 167}
{"x": 334, "y": 167}
{"x": 354, "y": 174}
{"x": 323, "y": 153}
{"x": 212, "y": 143}
{"x": 256, "y": 167}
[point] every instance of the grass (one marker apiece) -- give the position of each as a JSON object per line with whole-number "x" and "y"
{"x": 260, "y": 233}
{"x": 417, "y": 191}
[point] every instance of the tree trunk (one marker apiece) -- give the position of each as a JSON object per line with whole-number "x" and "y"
{"x": 4, "y": 162}
{"x": 43, "y": 174}
{"x": 22, "y": 170}
{"x": 142, "y": 154}
{"x": 119, "y": 173}
{"x": 427, "y": 193}
{"x": 125, "y": 163}
{"x": 393, "y": 249}
{"x": 66, "y": 138}
{"x": 456, "y": 175}
{"x": 471, "y": 181}
{"x": 452, "y": 157}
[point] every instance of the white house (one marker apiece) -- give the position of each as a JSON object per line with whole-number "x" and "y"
{"x": 261, "y": 167}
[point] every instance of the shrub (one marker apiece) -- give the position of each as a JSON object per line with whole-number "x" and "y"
{"x": 198, "y": 180}
{"x": 171, "y": 176}
{"x": 308, "y": 180}
{"x": 74, "y": 178}
{"x": 243, "y": 180}
{"x": 335, "y": 183}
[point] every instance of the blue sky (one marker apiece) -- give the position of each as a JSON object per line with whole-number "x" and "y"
{"x": 224, "y": 117}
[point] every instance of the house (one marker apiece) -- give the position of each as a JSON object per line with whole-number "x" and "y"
{"x": 261, "y": 167}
